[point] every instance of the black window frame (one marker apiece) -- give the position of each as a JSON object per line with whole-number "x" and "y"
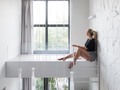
{"x": 46, "y": 25}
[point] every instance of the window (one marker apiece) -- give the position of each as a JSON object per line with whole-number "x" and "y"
{"x": 52, "y": 84}
{"x": 51, "y": 26}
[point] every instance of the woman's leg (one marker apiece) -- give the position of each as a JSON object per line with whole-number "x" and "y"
{"x": 83, "y": 53}
{"x": 68, "y": 56}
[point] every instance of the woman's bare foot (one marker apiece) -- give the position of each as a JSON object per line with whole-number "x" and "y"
{"x": 71, "y": 64}
{"x": 62, "y": 59}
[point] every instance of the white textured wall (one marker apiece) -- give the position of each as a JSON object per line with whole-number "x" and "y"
{"x": 79, "y": 13}
{"x": 107, "y": 23}
{"x": 9, "y": 38}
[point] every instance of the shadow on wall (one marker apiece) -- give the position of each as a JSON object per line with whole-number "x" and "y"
{"x": 4, "y": 88}
{"x": 2, "y": 71}
{"x": 2, "y": 77}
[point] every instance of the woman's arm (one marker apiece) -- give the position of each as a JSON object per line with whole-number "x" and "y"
{"x": 94, "y": 34}
{"x": 80, "y": 47}
{"x": 76, "y": 46}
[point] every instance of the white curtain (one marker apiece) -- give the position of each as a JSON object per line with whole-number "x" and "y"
{"x": 26, "y": 83}
{"x": 26, "y": 35}
{"x": 26, "y": 27}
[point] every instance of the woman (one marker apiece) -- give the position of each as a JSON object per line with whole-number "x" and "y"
{"x": 88, "y": 52}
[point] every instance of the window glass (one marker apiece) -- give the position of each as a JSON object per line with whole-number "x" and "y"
{"x": 39, "y": 38}
{"x": 58, "y": 12}
{"x": 51, "y": 26}
{"x": 39, "y": 84}
{"x": 39, "y": 12}
{"x": 53, "y": 84}
{"x": 58, "y": 38}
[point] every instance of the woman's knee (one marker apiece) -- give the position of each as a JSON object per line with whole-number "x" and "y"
{"x": 74, "y": 53}
{"x": 80, "y": 49}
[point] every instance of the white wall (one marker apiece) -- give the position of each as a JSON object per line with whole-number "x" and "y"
{"x": 81, "y": 86}
{"x": 94, "y": 84}
{"x": 9, "y": 38}
{"x": 79, "y": 24}
{"x": 79, "y": 13}
{"x": 107, "y": 24}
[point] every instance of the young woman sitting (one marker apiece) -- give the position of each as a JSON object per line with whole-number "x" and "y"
{"x": 88, "y": 52}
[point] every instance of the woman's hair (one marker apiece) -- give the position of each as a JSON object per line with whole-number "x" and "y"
{"x": 92, "y": 33}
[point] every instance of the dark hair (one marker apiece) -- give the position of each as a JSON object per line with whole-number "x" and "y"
{"x": 90, "y": 31}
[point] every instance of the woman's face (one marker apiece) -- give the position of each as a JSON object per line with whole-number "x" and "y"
{"x": 89, "y": 35}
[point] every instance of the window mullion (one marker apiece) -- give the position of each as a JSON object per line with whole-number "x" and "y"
{"x": 45, "y": 83}
{"x": 46, "y": 27}
{"x": 69, "y": 24}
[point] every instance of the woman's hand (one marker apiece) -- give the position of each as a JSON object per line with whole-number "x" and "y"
{"x": 76, "y": 46}
{"x": 79, "y": 47}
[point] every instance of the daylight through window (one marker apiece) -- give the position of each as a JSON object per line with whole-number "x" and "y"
{"x": 51, "y": 26}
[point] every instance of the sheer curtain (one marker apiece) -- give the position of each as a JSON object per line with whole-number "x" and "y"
{"x": 26, "y": 84}
{"x": 26, "y": 27}
{"x": 26, "y": 35}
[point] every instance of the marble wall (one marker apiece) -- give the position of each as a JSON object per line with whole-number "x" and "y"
{"x": 107, "y": 24}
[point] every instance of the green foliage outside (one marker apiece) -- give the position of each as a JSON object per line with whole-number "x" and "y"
{"x": 57, "y": 38}
{"x": 51, "y": 81}
{"x": 39, "y": 84}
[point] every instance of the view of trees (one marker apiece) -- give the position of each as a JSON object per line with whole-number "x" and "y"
{"x": 57, "y": 38}
{"x": 54, "y": 84}
{"x": 39, "y": 84}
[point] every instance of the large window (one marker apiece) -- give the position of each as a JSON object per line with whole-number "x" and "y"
{"x": 51, "y": 26}
{"x": 52, "y": 84}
